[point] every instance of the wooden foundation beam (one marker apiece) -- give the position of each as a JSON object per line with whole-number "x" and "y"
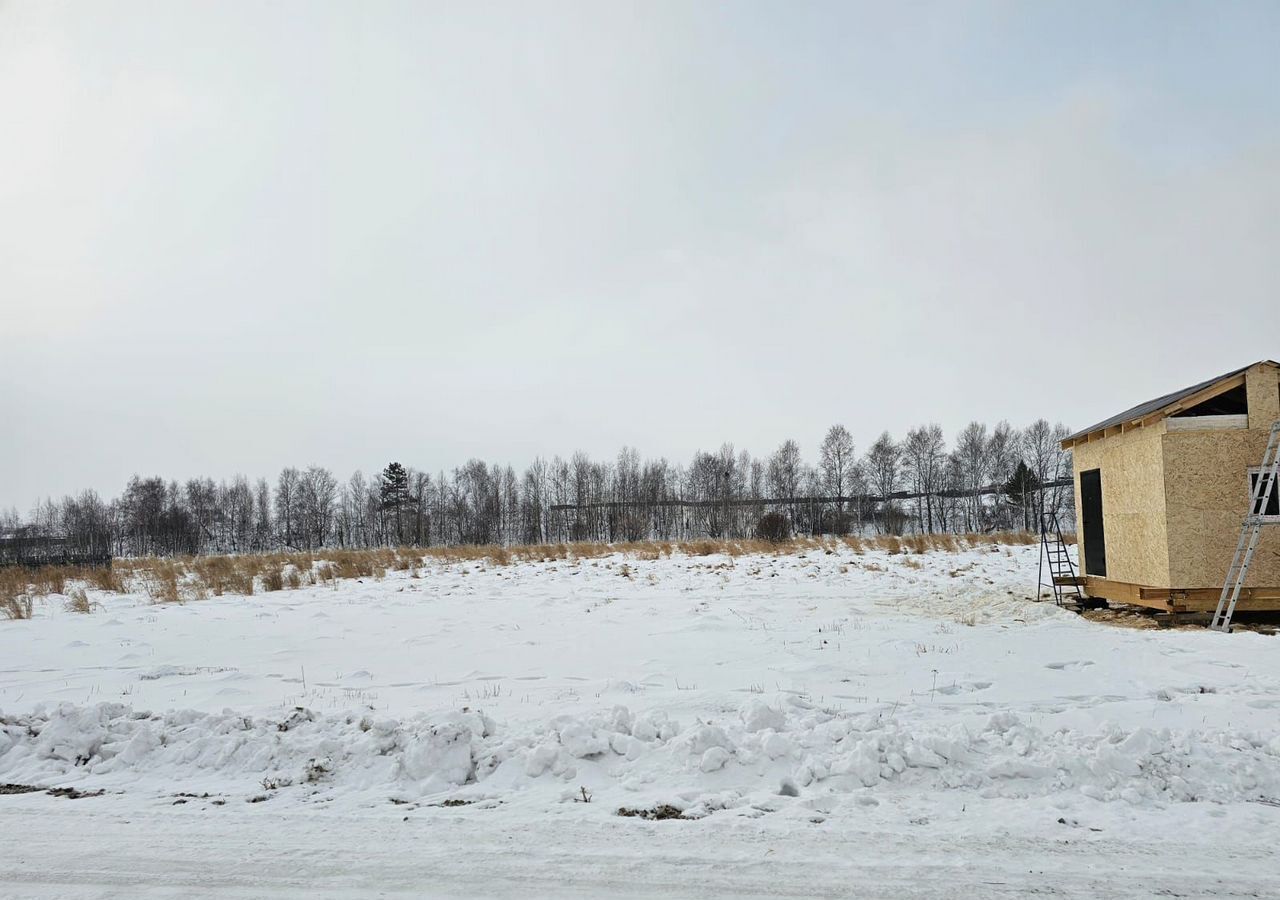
{"x": 1252, "y": 599}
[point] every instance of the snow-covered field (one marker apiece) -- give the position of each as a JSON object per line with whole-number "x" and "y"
{"x": 826, "y": 724}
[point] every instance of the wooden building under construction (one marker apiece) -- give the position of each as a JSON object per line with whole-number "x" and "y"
{"x": 1162, "y": 489}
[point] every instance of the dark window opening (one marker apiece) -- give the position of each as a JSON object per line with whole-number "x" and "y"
{"x": 1234, "y": 402}
{"x": 1273, "y": 505}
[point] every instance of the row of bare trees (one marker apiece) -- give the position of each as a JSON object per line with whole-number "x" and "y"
{"x": 992, "y": 478}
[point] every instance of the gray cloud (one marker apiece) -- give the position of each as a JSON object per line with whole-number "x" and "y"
{"x": 235, "y": 237}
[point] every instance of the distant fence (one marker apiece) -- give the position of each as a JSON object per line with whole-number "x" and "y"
{"x": 33, "y": 552}
{"x": 791, "y": 501}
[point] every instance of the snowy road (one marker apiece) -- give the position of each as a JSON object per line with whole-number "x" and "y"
{"x": 89, "y": 848}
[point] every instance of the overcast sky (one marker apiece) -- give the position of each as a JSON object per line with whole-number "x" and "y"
{"x": 238, "y": 236}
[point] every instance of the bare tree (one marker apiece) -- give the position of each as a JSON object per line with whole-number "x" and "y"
{"x": 1003, "y": 457}
{"x": 262, "y": 525}
{"x": 838, "y": 464}
{"x": 420, "y": 495}
{"x": 238, "y": 514}
{"x": 317, "y": 493}
{"x": 924, "y": 452}
{"x": 973, "y": 467}
{"x": 722, "y": 493}
{"x": 882, "y": 467}
{"x": 785, "y": 475}
{"x": 287, "y": 504}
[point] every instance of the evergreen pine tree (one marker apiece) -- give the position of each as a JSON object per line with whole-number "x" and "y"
{"x": 394, "y": 490}
{"x": 1020, "y": 489}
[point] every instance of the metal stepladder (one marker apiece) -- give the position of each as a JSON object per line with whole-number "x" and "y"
{"x": 1250, "y": 532}
{"x": 1062, "y": 571}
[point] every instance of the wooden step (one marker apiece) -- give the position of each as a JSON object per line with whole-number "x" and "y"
{"x": 1076, "y": 581}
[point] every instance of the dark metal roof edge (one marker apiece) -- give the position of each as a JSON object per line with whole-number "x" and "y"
{"x": 1143, "y": 410}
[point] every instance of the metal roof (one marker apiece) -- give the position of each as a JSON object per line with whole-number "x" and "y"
{"x": 1143, "y": 410}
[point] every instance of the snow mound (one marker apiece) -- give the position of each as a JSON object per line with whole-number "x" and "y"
{"x": 114, "y": 744}
{"x": 111, "y": 745}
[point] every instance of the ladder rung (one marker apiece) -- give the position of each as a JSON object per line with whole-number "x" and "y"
{"x": 1250, "y": 531}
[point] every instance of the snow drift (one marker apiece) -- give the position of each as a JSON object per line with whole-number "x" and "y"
{"x": 113, "y": 746}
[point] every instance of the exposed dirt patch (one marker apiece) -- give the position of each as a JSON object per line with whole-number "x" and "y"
{"x": 66, "y": 793}
{"x": 1122, "y": 617}
{"x": 1141, "y": 617}
{"x": 70, "y": 793}
{"x": 661, "y": 811}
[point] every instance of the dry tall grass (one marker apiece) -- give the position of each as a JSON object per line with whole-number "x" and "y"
{"x": 104, "y": 578}
{"x": 16, "y": 596}
{"x": 78, "y": 601}
{"x": 192, "y": 578}
{"x": 20, "y": 588}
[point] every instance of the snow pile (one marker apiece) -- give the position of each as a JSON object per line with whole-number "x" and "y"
{"x": 763, "y": 747}
{"x": 116, "y": 745}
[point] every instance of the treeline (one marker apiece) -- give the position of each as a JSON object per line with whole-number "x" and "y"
{"x": 997, "y": 478}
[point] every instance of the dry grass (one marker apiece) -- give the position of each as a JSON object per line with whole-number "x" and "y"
{"x": 104, "y": 578}
{"x": 162, "y": 586}
{"x": 51, "y": 579}
{"x": 854, "y": 543}
{"x": 20, "y": 588}
{"x": 192, "y": 578}
{"x": 16, "y": 597}
{"x": 1003, "y": 538}
{"x": 220, "y": 575}
{"x": 945, "y": 542}
{"x": 19, "y": 606}
{"x": 78, "y": 601}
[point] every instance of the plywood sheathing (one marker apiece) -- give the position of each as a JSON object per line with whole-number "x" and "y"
{"x": 1262, "y": 385}
{"x": 1133, "y": 503}
{"x": 1206, "y": 494}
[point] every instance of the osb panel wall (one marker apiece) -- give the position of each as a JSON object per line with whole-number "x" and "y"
{"x": 1262, "y": 384}
{"x": 1133, "y": 503}
{"x": 1206, "y": 488}
{"x": 1206, "y": 491}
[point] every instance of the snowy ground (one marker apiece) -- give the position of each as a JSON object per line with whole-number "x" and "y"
{"x": 827, "y": 725}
